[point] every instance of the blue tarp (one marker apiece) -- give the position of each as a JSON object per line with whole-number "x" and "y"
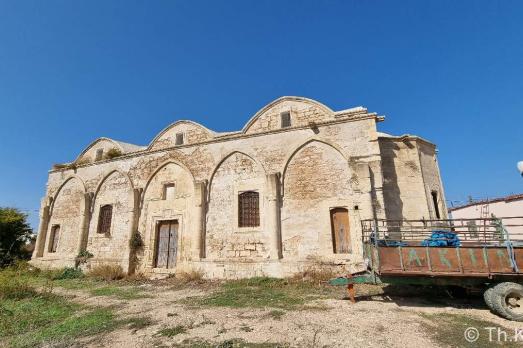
{"x": 442, "y": 239}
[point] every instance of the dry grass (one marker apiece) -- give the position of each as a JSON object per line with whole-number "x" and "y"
{"x": 190, "y": 277}
{"x": 107, "y": 272}
{"x": 315, "y": 275}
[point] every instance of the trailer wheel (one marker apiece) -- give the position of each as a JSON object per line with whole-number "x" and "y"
{"x": 487, "y": 296}
{"x": 507, "y": 300}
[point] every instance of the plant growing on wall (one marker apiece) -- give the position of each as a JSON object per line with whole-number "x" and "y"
{"x": 113, "y": 153}
{"x": 83, "y": 257}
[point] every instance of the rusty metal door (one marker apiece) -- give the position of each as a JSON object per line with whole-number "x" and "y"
{"x": 340, "y": 230}
{"x": 167, "y": 244}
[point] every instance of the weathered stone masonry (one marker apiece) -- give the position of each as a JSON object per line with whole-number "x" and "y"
{"x": 272, "y": 199}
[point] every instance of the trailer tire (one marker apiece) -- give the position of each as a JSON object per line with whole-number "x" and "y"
{"x": 487, "y": 296}
{"x": 507, "y": 300}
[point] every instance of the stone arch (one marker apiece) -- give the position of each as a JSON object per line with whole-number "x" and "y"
{"x": 195, "y": 133}
{"x": 102, "y": 181}
{"x": 286, "y": 162}
{"x": 224, "y": 158}
{"x": 155, "y": 207}
{"x": 235, "y": 173}
{"x": 317, "y": 179}
{"x": 160, "y": 167}
{"x": 324, "y": 109}
{"x": 67, "y": 211}
{"x": 115, "y": 189}
{"x": 70, "y": 177}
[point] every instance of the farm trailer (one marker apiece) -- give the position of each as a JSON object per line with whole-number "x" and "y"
{"x": 484, "y": 254}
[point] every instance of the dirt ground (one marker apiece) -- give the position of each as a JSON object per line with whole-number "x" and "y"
{"x": 382, "y": 320}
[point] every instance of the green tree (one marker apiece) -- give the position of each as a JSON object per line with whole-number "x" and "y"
{"x": 15, "y": 234}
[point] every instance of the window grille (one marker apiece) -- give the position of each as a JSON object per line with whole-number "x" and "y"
{"x": 248, "y": 209}
{"x": 179, "y": 139}
{"x": 104, "y": 220}
{"x": 285, "y": 119}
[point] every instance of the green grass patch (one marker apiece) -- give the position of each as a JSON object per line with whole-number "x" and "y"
{"x": 262, "y": 292}
{"x": 172, "y": 331}
{"x": 449, "y": 330}
{"x": 122, "y": 293}
{"x": 50, "y": 320}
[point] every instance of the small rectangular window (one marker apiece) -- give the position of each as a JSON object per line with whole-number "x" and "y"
{"x": 55, "y": 236}
{"x": 169, "y": 191}
{"x": 104, "y": 219}
{"x": 248, "y": 209}
{"x": 179, "y": 139}
{"x": 435, "y": 202}
{"x": 99, "y": 154}
{"x": 285, "y": 119}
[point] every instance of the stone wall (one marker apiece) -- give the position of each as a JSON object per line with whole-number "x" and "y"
{"x": 325, "y": 160}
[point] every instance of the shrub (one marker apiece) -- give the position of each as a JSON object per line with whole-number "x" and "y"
{"x": 15, "y": 233}
{"x": 193, "y": 276}
{"x": 68, "y": 273}
{"x": 12, "y": 286}
{"x": 136, "y": 241}
{"x": 113, "y": 153}
{"x": 107, "y": 272}
{"x": 82, "y": 257}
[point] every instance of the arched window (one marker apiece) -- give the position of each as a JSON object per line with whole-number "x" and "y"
{"x": 104, "y": 219}
{"x": 248, "y": 209}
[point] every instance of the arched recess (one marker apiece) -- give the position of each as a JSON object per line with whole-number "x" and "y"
{"x": 115, "y": 190}
{"x": 225, "y": 158}
{"x": 316, "y": 180}
{"x": 157, "y": 206}
{"x": 236, "y": 173}
{"x": 287, "y": 161}
{"x": 67, "y": 211}
{"x": 320, "y": 108}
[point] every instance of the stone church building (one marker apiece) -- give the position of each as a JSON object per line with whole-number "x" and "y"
{"x": 284, "y": 194}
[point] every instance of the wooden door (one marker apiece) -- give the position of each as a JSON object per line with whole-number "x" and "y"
{"x": 340, "y": 230}
{"x": 167, "y": 244}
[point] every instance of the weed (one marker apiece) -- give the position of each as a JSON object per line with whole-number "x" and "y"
{"x": 246, "y": 328}
{"x": 232, "y": 343}
{"x": 276, "y": 314}
{"x": 193, "y": 276}
{"x": 138, "y": 323}
{"x": 113, "y": 153}
{"x": 107, "y": 272}
{"x": 68, "y": 273}
{"x": 172, "y": 331}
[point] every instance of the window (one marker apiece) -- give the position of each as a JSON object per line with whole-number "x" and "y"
{"x": 168, "y": 191}
{"x": 435, "y": 202}
{"x": 104, "y": 219}
{"x": 285, "y": 119}
{"x": 179, "y": 139}
{"x": 99, "y": 154}
{"x": 55, "y": 236}
{"x": 248, "y": 209}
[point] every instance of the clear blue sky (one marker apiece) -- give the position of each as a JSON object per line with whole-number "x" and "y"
{"x": 72, "y": 71}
